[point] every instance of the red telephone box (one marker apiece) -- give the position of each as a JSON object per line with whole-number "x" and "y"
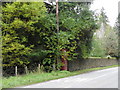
{"x": 64, "y": 59}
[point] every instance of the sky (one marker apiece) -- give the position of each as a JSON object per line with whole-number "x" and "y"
{"x": 111, "y": 9}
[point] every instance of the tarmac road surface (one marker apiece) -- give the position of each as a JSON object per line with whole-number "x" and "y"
{"x": 107, "y": 78}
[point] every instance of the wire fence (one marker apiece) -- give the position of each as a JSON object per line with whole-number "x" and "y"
{"x": 21, "y": 70}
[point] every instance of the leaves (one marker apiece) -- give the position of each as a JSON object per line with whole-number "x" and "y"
{"x": 18, "y": 23}
{"x": 29, "y": 23}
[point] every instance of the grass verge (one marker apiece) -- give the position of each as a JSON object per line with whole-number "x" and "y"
{"x": 33, "y": 78}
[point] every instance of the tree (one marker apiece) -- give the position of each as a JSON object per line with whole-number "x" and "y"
{"x": 76, "y": 31}
{"x": 118, "y": 27}
{"x": 81, "y": 23}
{"x": 29, "y": 31}
{"x": 20, "y": 31}
{"x": 111, "y": 41}
{"x": 105, "y": 39}
{"x": 102, "y": 22}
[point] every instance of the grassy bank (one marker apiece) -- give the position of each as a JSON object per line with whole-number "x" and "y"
{"x": 33, "y": 78}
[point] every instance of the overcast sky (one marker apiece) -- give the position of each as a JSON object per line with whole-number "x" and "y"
{"x": 110, "y": 6}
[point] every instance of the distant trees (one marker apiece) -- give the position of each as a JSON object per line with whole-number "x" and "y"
{"x": 118, "y": 27}
{"x": 105, "y": 39}
{"x": 111, "y": 41}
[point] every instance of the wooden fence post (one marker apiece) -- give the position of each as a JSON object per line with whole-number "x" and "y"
{"x": 39, "y": 68}
{"x": 54, "y": 67}
{"x": 26, "y": 70}
{"x": 16, "y": 71}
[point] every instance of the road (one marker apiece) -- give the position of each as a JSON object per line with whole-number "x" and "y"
{"x": 107, "y": 78}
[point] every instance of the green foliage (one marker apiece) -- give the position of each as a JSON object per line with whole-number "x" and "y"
{"x": 118, "y": 28}
{"x": 103, "y": 17}
{"x": 81, "y": 23}
{"x": 29, "y": 31}
{"x": 111, "y": 40}
{"x": 97, "y": 48}
{"x": 13, "y": 52}
{"x": 37, "y": 55}
{"x": 19, "y": 30}
{"x": 105, "y": 39}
